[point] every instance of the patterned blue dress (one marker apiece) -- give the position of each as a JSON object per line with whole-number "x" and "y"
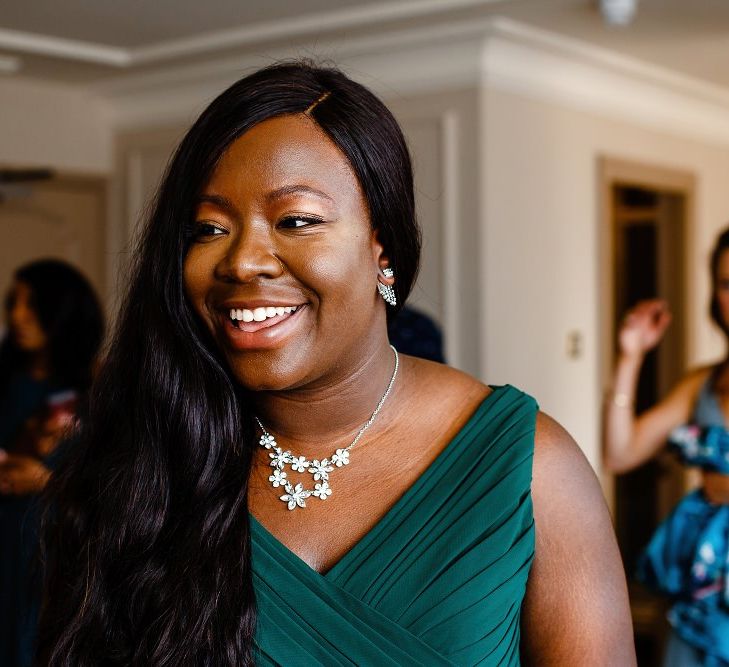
{"x": 688, "y": 556}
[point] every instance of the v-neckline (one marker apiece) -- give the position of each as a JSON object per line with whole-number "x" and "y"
{"x": 332, "y": 572}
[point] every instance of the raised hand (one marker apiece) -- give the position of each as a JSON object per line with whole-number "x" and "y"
{"x": 643, "y": 327}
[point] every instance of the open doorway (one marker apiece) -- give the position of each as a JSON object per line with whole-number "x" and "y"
{"x": 645, "y": 218}
{"x": 44, "y": 214}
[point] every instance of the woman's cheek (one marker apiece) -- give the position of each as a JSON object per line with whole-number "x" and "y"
{"x": 196, "y": 263}
{"x": 194, "y": 281}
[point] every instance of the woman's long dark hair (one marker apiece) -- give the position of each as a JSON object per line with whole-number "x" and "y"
{"x": 147, "y": 533}
{"x": 71, "y": 317}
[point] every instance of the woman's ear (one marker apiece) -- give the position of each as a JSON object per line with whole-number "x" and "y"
{"x": 383, "y": 261}
{"x": 386, "y": 275}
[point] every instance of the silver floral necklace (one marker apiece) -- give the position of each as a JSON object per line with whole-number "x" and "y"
{"x": 296, "y": 496}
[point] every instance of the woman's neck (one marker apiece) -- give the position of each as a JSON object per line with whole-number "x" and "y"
{"x": 311, "y": 420}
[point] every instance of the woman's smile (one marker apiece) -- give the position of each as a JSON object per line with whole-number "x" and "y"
{"x": 259, "y": 327}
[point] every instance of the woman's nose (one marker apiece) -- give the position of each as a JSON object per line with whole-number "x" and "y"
{"x": 251, "y": 255}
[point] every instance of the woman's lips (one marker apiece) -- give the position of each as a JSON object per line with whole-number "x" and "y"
{"x": 265, "y": 334}
{"x": 261, "y": 314}
{"x": 254, "y": 325}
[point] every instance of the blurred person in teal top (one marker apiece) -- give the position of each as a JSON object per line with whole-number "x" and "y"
{"x": 55, "y": 328}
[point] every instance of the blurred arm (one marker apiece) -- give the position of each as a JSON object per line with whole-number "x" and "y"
{"x": 628, "y": 440}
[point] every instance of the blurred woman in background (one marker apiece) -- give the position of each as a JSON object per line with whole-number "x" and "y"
{"x": 688, "y": 557}
{"x": 55, "y": 328}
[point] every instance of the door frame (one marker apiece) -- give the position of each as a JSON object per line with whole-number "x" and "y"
{"x": 99, "y": 184}
{"x": 619, "y": 171}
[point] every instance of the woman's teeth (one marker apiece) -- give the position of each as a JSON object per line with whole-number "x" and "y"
{"x": 259, "y": 314}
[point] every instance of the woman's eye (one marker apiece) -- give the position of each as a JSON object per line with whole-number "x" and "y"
{"x": 205, "y": 230}
{"x": 298, "y": 221}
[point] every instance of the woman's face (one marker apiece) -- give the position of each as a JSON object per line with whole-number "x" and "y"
{"x": 23, "y": 322}
{"x": 284, "y": 262}
{"x": 722, "y": 286}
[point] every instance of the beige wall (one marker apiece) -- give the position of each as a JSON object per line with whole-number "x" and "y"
{"x": 440, "y": 131}
{"x": 540, "y": 247}
{"x": 48, "y": 125}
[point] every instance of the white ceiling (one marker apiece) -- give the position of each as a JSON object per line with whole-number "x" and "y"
{"x": 82, "y": 40}
{"x": 134, "y": 23}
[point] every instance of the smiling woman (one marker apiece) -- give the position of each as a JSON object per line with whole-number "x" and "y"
{"x": 263, "y": 478}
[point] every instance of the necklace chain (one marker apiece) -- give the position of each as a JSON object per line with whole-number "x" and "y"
{"x": 296, "y": 496}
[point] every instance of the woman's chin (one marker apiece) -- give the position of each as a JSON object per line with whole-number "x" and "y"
{"x": 256, "y": 386}
{"x": 274, "y": 371}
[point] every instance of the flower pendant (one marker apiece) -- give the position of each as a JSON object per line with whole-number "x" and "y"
{"x": 296, "y": 495}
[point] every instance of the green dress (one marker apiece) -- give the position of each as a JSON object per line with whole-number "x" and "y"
{"x": 439, "y": 580}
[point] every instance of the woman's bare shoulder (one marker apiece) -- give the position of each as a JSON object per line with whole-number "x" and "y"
{"x": 556, "y": 451}
{"x": 577, "y": 579}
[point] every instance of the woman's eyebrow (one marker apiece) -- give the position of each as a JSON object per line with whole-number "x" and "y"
{"x": 217, "y": 200}
{"x": 296, "y": 189}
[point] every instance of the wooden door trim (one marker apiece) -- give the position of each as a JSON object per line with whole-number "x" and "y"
{"x": 618, "y": 171}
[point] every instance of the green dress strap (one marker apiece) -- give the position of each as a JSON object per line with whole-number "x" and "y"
{"x": 439, "y": 580}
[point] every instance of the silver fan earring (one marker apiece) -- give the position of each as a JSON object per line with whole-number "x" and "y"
{"x": 387, "y": 291}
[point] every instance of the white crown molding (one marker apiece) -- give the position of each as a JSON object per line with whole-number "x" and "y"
{"x": 557, "y": 69}
{"x": 494, "y": 53}
{"x": 391, "y": 64}
{"x": 240, "y": 37}
{"x": 581, "y": 51}
{"x": 445, "y": 40}
{"x": 68, "y": 49}
{"x": 301, "y": 27}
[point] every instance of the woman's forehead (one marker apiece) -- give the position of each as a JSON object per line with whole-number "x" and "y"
{"x": 284, "y": 151}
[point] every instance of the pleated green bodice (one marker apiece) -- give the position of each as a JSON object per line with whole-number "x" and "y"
{"x": 439, "y": 580}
